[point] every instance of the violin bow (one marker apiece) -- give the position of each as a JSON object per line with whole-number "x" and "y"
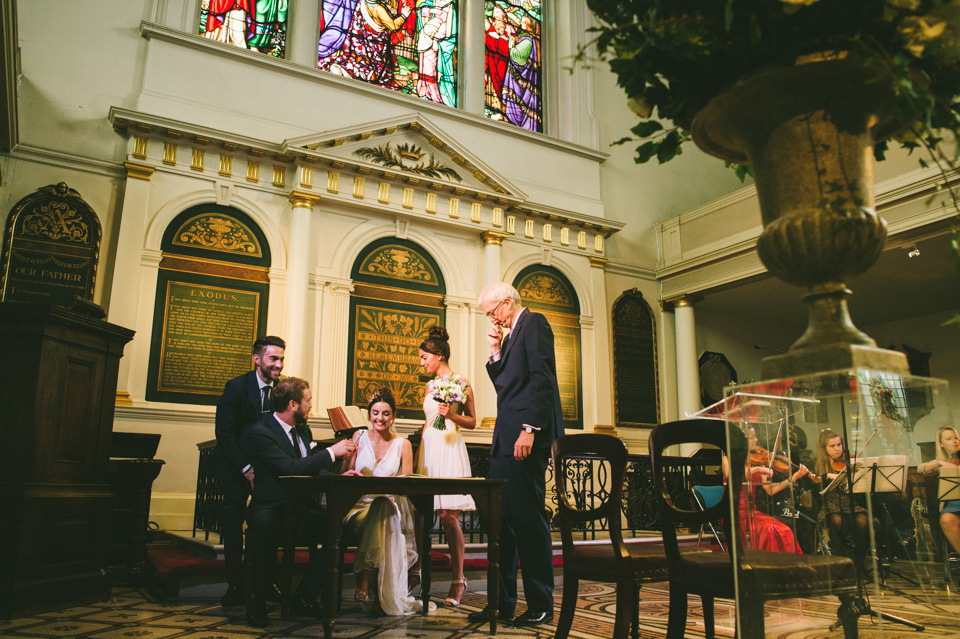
{"x": 867, "y": 443}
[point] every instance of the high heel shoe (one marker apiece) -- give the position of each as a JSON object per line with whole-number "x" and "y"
{"x": 450, "y": 602}
{"x": 413, "y": 580}
{"x": 361, "y": 596}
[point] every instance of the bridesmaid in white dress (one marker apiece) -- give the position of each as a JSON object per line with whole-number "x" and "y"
{"x": 443, "y": 453}
{"x": 384, "y": 523}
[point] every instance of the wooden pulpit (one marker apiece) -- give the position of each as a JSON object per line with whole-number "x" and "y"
{"x": 58, "y": 392}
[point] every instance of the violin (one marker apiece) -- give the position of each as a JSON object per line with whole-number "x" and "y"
{"x": 760, "y": 456}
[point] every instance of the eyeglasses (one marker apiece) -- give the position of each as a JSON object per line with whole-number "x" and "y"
{"x": 494, "y": 309}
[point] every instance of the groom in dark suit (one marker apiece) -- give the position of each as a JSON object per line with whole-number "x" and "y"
{"x": 523, "y": 369}
{"x": 282, "y": 444}
{"x": 244, "y": 401}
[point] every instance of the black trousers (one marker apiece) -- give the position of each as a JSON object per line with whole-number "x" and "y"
{"x": 524, "y": 531}
{"x": 265, "y": 533}
{"x": 235, "y": 495}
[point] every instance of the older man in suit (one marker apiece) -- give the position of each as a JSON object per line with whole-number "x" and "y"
{"x": 282, "y": 444}
{"x": 244, "y": 401}
{"x": 529, "y": 417}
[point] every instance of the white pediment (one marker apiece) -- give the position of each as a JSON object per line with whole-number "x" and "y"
{"x": 410, "y": 147}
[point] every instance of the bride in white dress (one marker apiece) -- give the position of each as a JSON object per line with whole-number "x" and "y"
{"x": 443, "y": 453}
{"x": 384, "y": 523}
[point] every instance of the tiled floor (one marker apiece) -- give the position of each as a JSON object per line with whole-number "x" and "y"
{"x": 138, "y": 613}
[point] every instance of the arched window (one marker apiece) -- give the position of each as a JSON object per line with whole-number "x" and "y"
{"x": 259, "y": 25}
{"x": 512, "y": 62}
{"x": 545, "y": 290}
{"x": 636, "y": 382}
{"x": 402, "y": 45}
{"x": 398, "y": 295}
{"x": 211, "y": 304}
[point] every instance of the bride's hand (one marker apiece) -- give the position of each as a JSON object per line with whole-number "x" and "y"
{"x": 443, "y": 409}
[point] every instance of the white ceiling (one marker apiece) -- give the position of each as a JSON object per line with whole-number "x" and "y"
{"x": 897, "y": 287}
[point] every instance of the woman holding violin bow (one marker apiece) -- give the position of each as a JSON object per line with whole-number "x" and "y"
{"x": 832, "y": 459}
{"x": 948, "y": 444}
{"x": 766, "y": 532}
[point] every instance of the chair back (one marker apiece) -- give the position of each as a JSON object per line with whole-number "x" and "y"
{"x": 693, "y": 431}
{"x": 605, "y": 504}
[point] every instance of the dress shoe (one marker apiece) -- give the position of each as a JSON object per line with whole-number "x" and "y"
{"x": 232, "y": 598}
{"x": 486, "y": 616}
{"x": 257, "y": 613}
{"x": 531, "y": 618}
{"x": 306, "y": 606}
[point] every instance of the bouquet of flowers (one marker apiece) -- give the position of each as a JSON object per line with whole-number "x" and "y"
{"x": 451, "y": 389}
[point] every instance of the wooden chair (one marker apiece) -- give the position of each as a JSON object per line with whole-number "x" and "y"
{"x": 627, "y": 565}
{"x": 762, "y": 575}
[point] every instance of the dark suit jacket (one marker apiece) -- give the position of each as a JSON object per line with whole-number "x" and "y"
{"x": 238, "y": 410}
{"x": 526, "y": 381}
{"x": 273, "y": 455}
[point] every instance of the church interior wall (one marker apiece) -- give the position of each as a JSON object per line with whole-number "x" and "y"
{"x": 138, "y": 55}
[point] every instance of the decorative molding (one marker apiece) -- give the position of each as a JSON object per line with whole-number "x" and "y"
{"x": 597, "y": 262}
{"x": 303, "y": 199}
{"x": 493, "y": 237}
{"x": 138, "y": 171}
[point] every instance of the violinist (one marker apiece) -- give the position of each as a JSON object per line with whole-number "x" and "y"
{"x": 765, "y": 532}
{"x": 947, "y": 446}
{"x": 831, "y": 461}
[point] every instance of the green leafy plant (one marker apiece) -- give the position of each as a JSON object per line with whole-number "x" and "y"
{"x": 672, "y": 57}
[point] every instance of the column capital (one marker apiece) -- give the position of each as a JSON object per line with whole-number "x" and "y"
{"x": 493, "y": 237}
{"x": 687, "y": 299}
{"x": 139, "y": 171}
{"x": 304, "y": 199}
{"x": 598, "y": 262}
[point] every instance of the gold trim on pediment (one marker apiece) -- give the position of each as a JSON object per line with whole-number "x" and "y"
{"x": 380, "y": 292}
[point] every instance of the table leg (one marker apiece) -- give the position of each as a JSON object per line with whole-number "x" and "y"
{"x": 424, "y": 506}
{"x": 294, "y": 504}
{"x": 489, "y": 505}
{"x": 331, "y": 581}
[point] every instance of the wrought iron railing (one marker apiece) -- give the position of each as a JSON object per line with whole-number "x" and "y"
{"x": 587, "y": 478}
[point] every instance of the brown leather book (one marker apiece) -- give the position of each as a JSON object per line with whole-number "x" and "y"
{"x": 346, "y": 420}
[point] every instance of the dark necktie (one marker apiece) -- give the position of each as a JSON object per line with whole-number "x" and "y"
{"x": 266, "y": 399}
{"x": 296, "y": 441}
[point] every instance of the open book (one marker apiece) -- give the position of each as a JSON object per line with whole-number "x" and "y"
{"x": 347, "y": 420}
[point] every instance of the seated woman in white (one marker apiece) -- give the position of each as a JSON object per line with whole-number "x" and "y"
{"x": 384, "y": 523}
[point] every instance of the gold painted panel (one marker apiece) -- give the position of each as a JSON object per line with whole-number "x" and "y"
{"x": 217, "y": 232}
{"x": 398, "y": 262}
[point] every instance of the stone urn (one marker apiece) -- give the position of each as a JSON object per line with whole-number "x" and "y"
{"x": 807, "y": 133}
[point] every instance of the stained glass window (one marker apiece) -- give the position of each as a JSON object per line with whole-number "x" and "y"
{"x": 405, "y": 45}
{"x": 260, "y": 25}
{"x": 512, "y": 74}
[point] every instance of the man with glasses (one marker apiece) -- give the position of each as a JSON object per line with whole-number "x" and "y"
{"x": 523, "y": 369}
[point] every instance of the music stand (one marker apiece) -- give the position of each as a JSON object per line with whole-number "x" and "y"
{"x": 884, "y": 474}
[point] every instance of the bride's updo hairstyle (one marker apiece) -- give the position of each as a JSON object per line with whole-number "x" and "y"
{"x": 382, "y": 394}
{"x": 437, "y": 342}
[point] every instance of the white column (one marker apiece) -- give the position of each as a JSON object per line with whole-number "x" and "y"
{"x": 333, "y": 345}
{"x": 471, "y": 52}
{"x": 667, "y": 338}
{"x": 299, "y": 233}
{"x": 492, "y": 242}
{"x": 303, "y": 30}
{"x": 601, "y": 377}
{"x": 688, "y": 373}
{"x": 122, "y": 305}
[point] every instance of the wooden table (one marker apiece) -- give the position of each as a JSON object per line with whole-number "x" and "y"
{"x": 341, "y": 495}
